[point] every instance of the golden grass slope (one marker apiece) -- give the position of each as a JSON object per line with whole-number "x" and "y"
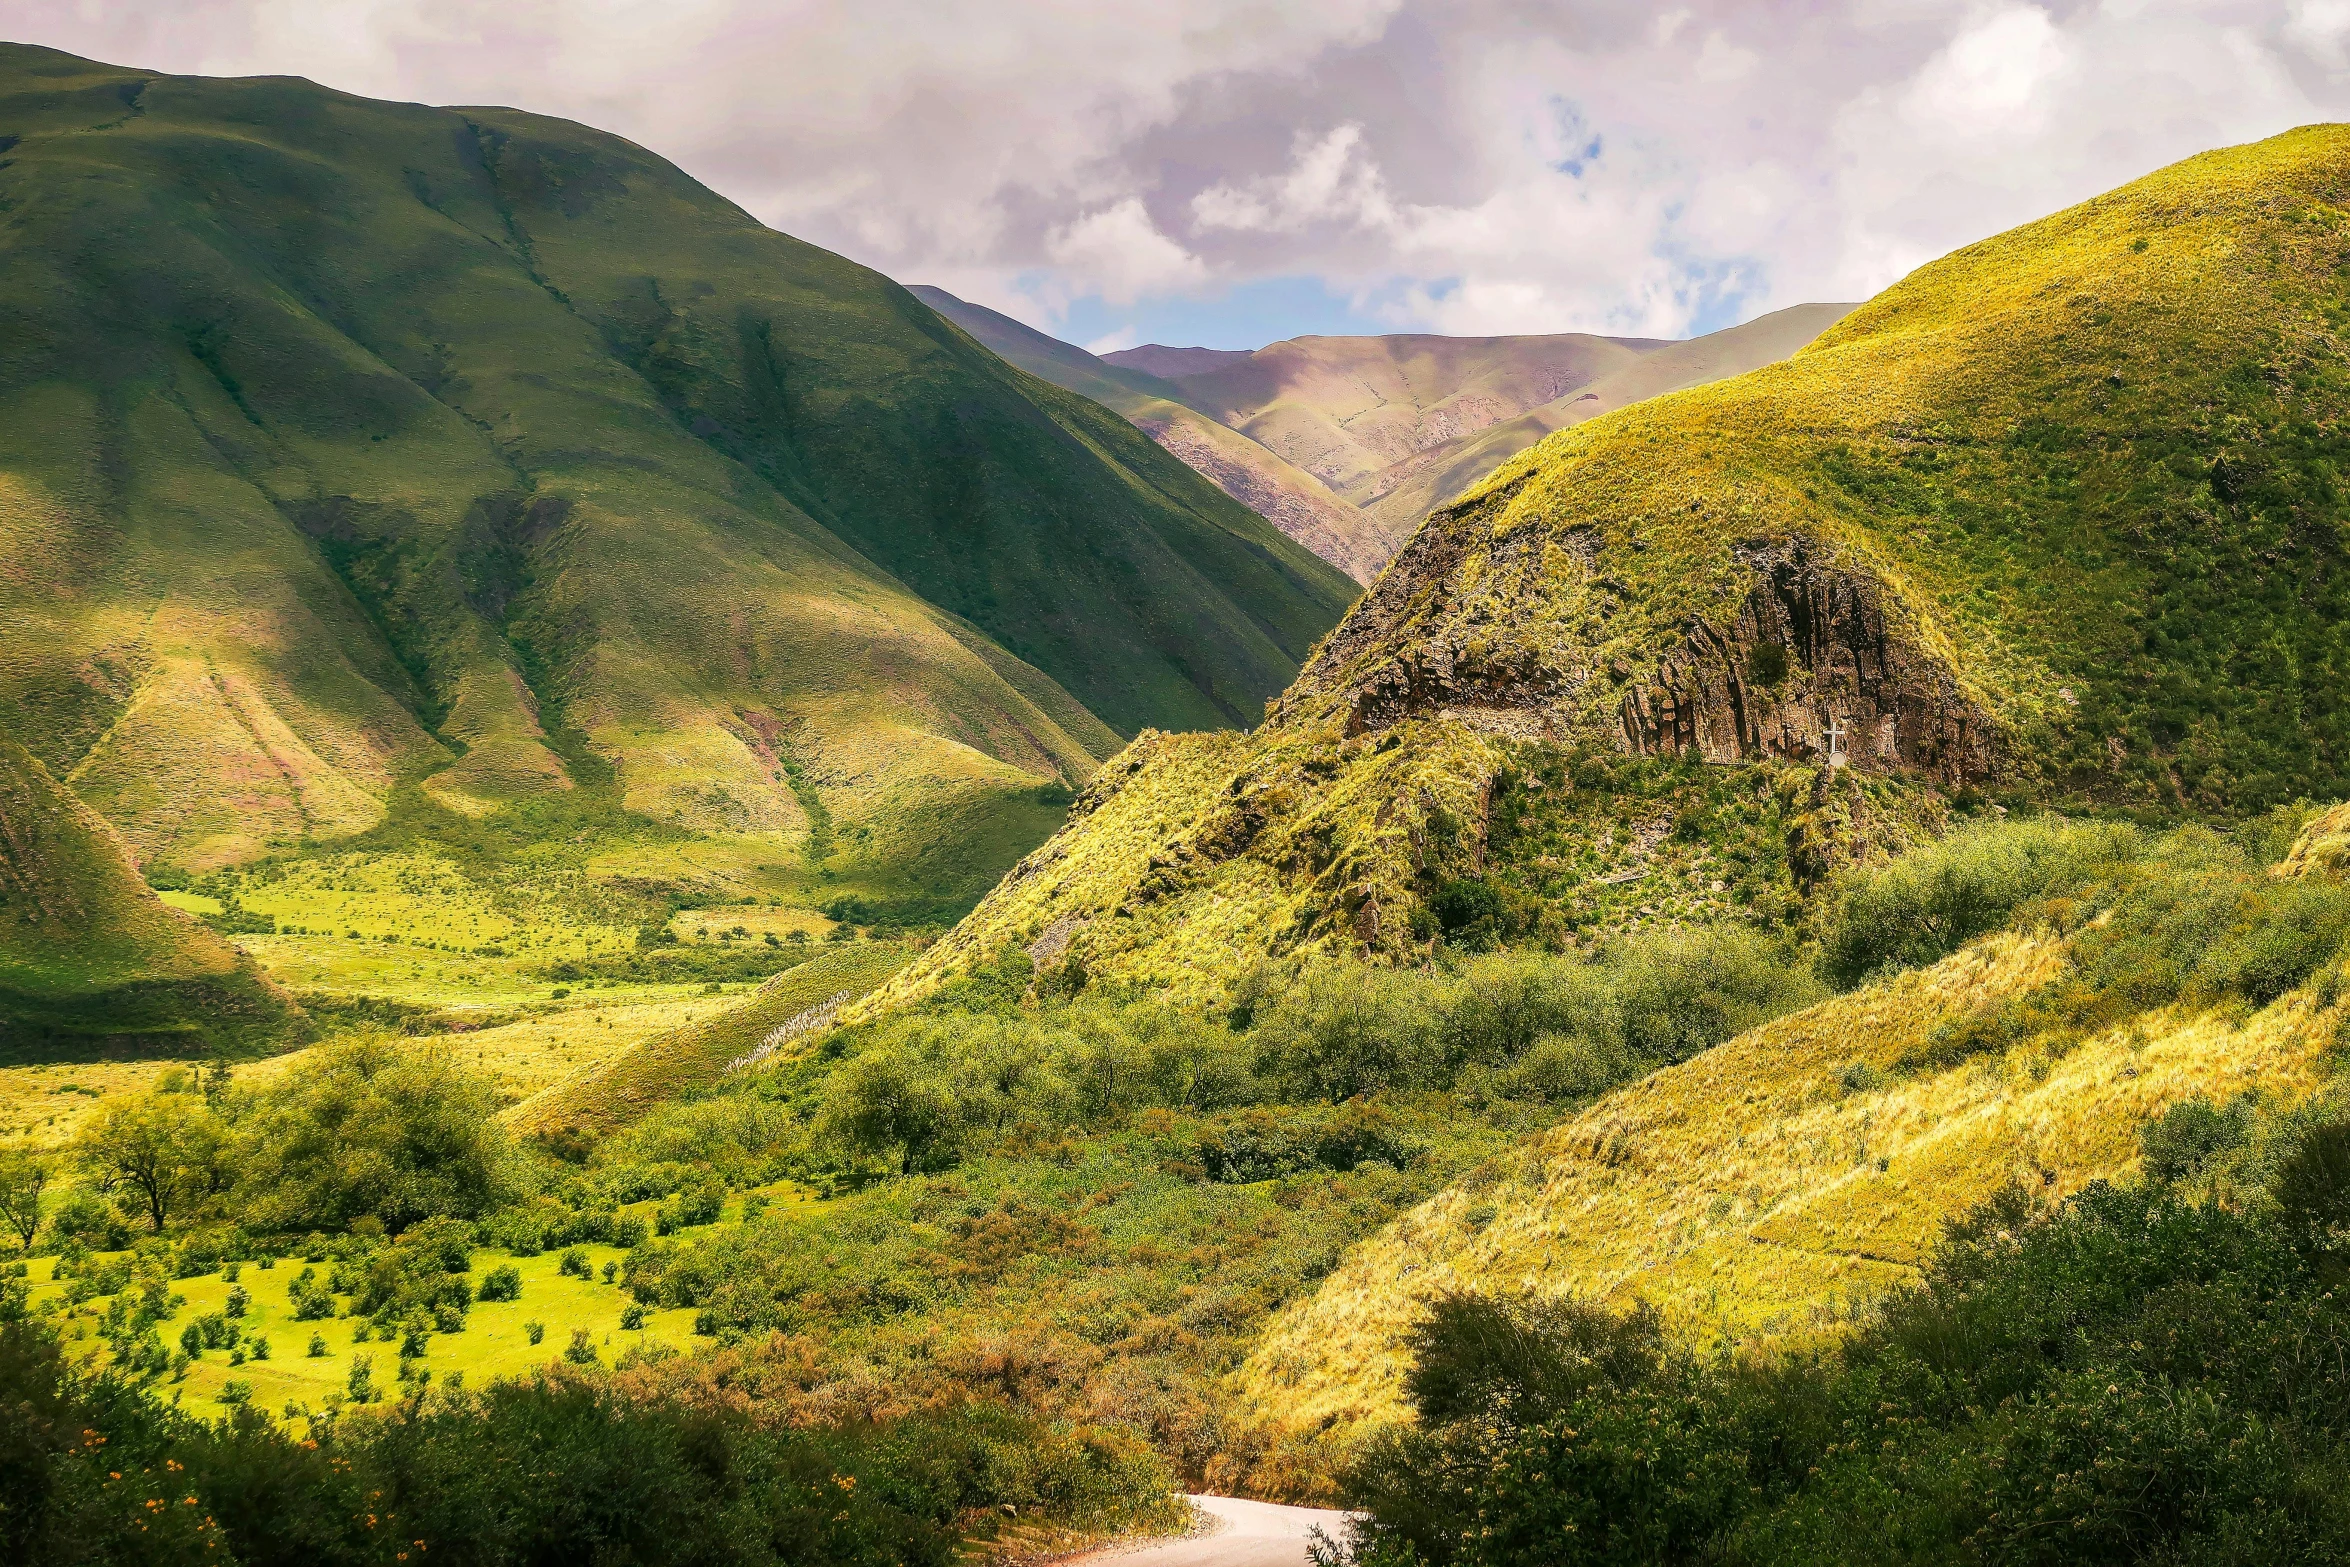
{"x": 1767, "y": 1188}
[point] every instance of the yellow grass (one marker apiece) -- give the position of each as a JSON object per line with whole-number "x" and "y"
{"x": 1753, "y": 1197}
{"x": 43, "y": 1105}
{"x": 751, "y": 921}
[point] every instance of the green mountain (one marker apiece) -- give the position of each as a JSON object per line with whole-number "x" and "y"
{"x": 2056, "y": 518}
{"x": 347, "y": 446}
{"x": 86, "y": 949}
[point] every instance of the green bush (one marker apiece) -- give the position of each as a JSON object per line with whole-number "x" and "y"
{"x": 550, "y": 1470}
{"x": 503, "y": 1282}
{"x": 2190, "y": 1134}
{"x": 1934, "y": 900}
{"x": 373, "y": 1126}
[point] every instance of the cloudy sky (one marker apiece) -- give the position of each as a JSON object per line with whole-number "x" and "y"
{"x": 1228, "y": 172}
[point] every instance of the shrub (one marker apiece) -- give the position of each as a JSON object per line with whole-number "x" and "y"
{"x": 581, "y": 1351}
{"x": 534, "y": 1331}
{"x": 503, "y": 1282}
{"x": 1934, "y": 900}
{"x": 374, "y": 1126}
{"x": 554, "y": 1469}
{"x": 317, "y": 1346}
{"x": 632, "y": 1316}
{"x": 2133, "y": 1377}
{"x": 1345, "y": 1029}
{"x": 573, "y": 1264}
{"x": 2190, "y": 1133}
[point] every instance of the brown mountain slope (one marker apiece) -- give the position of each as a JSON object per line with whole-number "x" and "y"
{"x": 1348, "y": 409}
{"x": 1399, "y": 425}
{"x": 1285, "y": 495}
{"x": 1444, "y": 473}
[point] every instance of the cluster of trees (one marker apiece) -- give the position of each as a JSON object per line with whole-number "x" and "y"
{"x": 1537, "y": 1028}
{"x": 557, "y": 1469}
{"x": 369, "y": 1132}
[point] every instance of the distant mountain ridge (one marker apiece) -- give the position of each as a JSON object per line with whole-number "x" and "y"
{"x": 1345, "y": 443}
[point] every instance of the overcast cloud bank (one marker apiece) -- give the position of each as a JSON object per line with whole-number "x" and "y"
{"x": 1206, "y": 170}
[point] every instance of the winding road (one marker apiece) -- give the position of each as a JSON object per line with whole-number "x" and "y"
{"x": 1239, "y": 1534}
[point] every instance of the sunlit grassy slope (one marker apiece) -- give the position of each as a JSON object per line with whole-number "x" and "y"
{"x": 1772, "y": 1185}
{"x": 2055, "y": 516}
{"x": 495, "y": 1341}
{"x": 348, "y": 444}
{"x": 699, "y": 1051}
{"x": 86, "y": 949}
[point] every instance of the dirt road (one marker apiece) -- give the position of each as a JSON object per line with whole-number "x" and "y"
{"x": 1241, "y": 1534}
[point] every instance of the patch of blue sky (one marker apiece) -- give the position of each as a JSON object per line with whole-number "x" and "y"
{"x": 1244, "y": 315}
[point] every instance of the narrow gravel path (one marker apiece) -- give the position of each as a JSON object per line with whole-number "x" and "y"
{"x": 1240, "y": 1534}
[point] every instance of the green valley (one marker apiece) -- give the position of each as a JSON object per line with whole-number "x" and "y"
{"x": 661, "y": 902}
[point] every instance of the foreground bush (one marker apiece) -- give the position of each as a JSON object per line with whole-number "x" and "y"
{"x": 2138, "y": 1378}
{"x": 555, "y": 1470}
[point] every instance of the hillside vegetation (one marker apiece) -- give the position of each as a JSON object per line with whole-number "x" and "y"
{"x": 1762, "y": 1192}
{"x": 88, "y": 951}
{"x": 347, "y": 447}
{"x": 2054, "y": 519}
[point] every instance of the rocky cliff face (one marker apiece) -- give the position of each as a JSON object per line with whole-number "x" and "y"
{"x": 1528, "y": 636}
{"x": 1812, "y": 667}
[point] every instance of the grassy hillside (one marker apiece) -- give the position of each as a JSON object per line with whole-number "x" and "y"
{"x": 2053, "y": 518}
{"x": 88, "y": 952}
{"x": 795, "y": 1005}
{"x": 1766, "y": 1190}
{"x": 349, "y": 446}
{"x": 1285, "y": 495}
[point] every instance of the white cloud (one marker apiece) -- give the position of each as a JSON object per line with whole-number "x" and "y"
{"x": 1122, "y": 251}
{"x": 1112, "y": 342}
{"x": 1995, "y": 78}
{"x": 1463, "y": 165}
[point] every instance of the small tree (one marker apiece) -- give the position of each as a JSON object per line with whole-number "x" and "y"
{"x": 162, "y": 1147}
{"x": 887, "y": 1101}
{"x": 22, "y": 1178}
